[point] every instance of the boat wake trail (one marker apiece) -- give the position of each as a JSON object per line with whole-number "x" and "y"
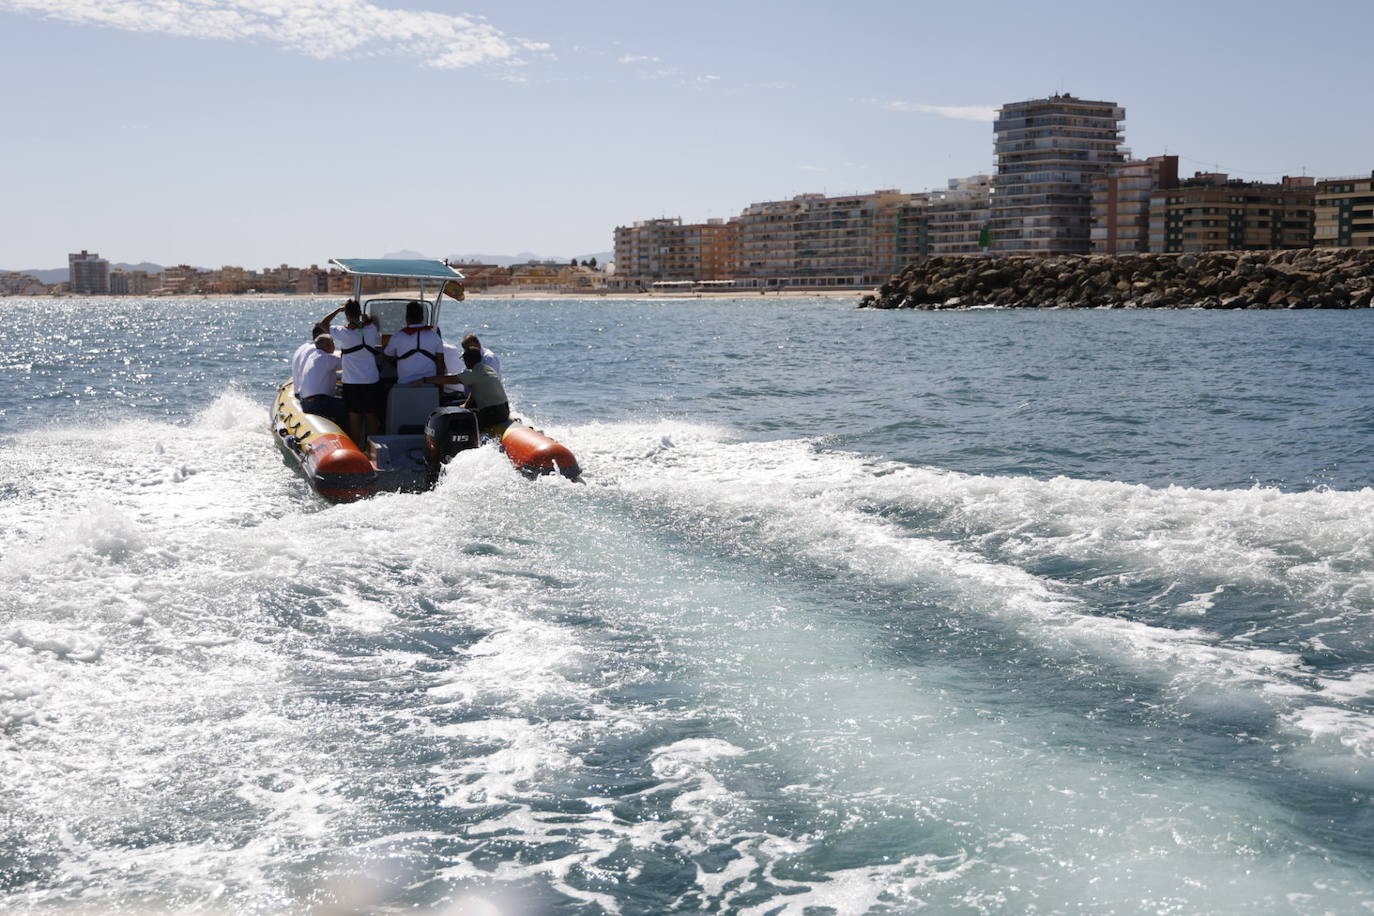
{"x": 1253, "y": 594}
{"x": 730, "y": 676}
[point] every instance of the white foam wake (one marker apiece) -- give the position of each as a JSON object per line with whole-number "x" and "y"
{"x": 976, "y": 535}
{"x": 212, "y": 687}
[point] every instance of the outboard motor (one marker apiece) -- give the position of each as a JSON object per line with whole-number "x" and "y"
{"x": 448, "y": 431}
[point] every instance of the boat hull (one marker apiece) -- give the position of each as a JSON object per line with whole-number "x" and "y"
{"x": 340, "y": 471}
{"x": 535, "y": 454}
{"x": 337, "y": 469}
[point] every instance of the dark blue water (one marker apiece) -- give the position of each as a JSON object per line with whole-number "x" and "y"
{"x": 857, "y": 612}
{"x": 1228, "y": 399}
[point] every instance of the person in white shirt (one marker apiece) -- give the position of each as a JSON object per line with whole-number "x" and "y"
{"x": 358, "y": 343}
{"x": 304, "y": 350}
{"x": 317, "y": 378}
{"x": 417, "y": 348}
{"x": 298, "y": 361}
{"x": 453, "y": 364}
{"x": 489, "y": 358}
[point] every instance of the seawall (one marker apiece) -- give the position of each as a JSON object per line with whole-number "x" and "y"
{"x": 1336, "y": 278}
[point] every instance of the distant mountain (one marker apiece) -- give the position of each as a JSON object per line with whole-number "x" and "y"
{"x": 506, "y": 260}
{"x": 63, "y": 274}
{"x": 500, "y": 260}
{"x": 144, "y": 265}
{"x": 57, "y": 275}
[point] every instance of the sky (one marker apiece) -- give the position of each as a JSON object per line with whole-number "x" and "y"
{"x": 261, "y": 132}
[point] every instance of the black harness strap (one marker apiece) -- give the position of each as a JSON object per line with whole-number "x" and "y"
{"x": 362, "y": 346}
{"x": 422, "y": 352}
{"x": 432, "y": 358}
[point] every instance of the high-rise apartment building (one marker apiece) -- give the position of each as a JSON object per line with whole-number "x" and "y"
{"x": 908, "y": 224}
{"x": 667, "y": 251}
{"x": 766, "y": 241}
{"x": 1213, "y": 212}
{"x": 816, "y": 241}
{"x": 1344, "y": 213}
{"x": 88, "y": 273}
{"x": 639, "y": 250}
{"x": 958, "y": 216}
{"x": 1049, "y": 152}
{"x": 132, "y": 282}
{"x": 836, "y": 237}
{"x": 952, "y": 221}
{"x": 1121, "y": 203}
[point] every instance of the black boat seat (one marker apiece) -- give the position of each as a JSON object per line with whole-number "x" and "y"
{"x": 408, "y": 408}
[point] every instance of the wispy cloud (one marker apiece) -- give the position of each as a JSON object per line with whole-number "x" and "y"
{"x": 652, "y": 68}
{"x": 317, "y": 28}
{"x": 648, "y": 67}
{"x": 957, "y": 112}
{"x": 811, "y": 168}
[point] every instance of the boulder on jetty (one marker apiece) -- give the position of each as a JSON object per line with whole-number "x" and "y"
{"x": 1306, "y": 278}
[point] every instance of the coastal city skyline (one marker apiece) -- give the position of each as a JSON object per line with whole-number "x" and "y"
{"x": 1065, "y": 184}
{"x": 298, "y": 135}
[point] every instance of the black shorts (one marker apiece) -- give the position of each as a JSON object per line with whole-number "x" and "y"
{"x": 490, "y": 416}
{"x": 363, "y": 398}
{"x": 327, "y": 406}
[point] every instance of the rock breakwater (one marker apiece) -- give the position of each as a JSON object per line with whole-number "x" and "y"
{"x": 1336, "y": 278}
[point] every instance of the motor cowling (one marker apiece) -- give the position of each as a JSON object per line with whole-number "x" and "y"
{"x": 448, "y": 431}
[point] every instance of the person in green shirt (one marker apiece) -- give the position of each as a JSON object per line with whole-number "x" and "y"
{"x": 487, "y": 396}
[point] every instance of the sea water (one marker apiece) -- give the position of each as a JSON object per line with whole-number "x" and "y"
{"x": 855, "y": 612}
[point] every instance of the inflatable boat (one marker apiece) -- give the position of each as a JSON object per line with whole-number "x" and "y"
{"x": 419, "y": 435}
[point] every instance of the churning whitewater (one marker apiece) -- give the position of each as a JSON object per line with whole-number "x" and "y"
{"x": 994, "y": 612}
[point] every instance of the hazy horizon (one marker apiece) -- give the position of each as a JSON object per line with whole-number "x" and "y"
{"x": 498, "y": 259}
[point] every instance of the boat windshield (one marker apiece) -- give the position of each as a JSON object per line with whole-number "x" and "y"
{"x": 391, "y": 313}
